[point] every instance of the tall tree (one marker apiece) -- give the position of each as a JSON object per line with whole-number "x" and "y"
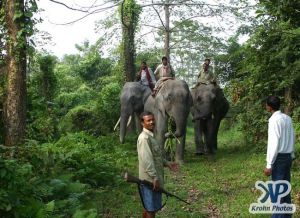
{"x": 176, "y": 22}
{"x": 167, "y": 30}
{"x": 17, "y": 25}
{"x": 129, "y": 16}
{"x": 15, "y": 102}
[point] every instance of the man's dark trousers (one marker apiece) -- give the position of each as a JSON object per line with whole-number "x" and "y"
{"x": 281, "y": 170}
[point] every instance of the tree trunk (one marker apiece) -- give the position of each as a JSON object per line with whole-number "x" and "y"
{"x": 129, "y": 17}
{"x": 15, "y": 102}
{"x": 129, "y": 52}
{"x": 167, "y": 30}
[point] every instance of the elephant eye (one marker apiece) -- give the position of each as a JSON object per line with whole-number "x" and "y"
{"x": 169, "y": 97}
{"x": 199, "y": 98}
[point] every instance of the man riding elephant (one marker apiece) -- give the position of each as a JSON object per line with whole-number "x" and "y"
{"x": 146, "y": 76}
{"x": 206, "y": 75}
{"x": 163, "y": 72}
{"x": 209, "y": 108}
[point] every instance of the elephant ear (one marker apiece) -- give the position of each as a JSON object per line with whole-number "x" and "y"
{"x": 220, "y": 104}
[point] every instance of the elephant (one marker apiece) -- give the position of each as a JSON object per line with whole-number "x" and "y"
{"x": 133, "y": 98}
{"x": 209, "y": 108}
{"x": 172, "y": 100}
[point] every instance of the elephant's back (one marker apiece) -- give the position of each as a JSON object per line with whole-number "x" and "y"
{"x": 176, "y": 84}
{"x": 131, "y": 86}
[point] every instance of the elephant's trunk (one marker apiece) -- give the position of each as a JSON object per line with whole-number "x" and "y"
{"x": 123, "y": 125}
{"x": 180, "y": 120}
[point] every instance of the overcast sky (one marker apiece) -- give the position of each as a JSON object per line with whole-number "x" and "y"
{"x": 66, "y": 36}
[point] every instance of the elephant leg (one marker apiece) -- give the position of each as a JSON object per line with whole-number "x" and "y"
{"x": 198, "y": 132}
{"x": 137, "y": 123}
{"x": 215, "y": 135}
{"x": 210, "y": 136}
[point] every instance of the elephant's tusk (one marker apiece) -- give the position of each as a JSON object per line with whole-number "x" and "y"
{"x": 129, "y": 121}
{"x": 117, "y": 124}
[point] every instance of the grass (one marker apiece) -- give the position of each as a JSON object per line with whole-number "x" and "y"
{"x": 221, "y": 188}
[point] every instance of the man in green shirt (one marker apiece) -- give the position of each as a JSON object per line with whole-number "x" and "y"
{"x": 206, "y": 75}
{"x": 151, "y": 166}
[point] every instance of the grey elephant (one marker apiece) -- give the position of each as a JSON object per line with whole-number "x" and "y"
{"x": 174, "y": 99}
{"x": 133, "y": 98}
{"x": 209, "y": 108}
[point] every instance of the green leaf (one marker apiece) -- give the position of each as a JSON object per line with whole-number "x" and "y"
{"x": 28, "y": 14}
{"x": 17, "y": 15}
{"x": 8, "y": 207}
{"x": 50, "y": 206}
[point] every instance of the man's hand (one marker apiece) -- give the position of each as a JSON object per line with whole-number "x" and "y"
{"x": 268, "y": 171}
{"x": 173, "y": 166}
{"x": 155, "y": 185}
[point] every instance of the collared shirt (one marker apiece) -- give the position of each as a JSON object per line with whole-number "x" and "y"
{"x": 281, "y": 137}
{"x": 144, "y": 79}
{"x": 151, "y": 161}
{"x": 206, "y": 77}
{"x": 164, "y": 71}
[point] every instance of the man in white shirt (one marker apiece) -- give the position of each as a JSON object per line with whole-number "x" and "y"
{"x": 163, "y": 72}
{"x": 280, "y": 151}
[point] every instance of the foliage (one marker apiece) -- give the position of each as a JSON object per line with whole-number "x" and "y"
{"x": 227, "y": 66}
{"x": 151, "y": 56}
{"x": 68, "y": 100}
{"x": 109, "y": 106}
{"x": 92, "y": 65}
{"x": 66, "y": 96}
{"x": 221, "y": 188}
{"x": 188, "y": 38}
{"x": 42, "y": 89}
{"x": 60, "y": 179}
{"x": 268, "y": 64}
{"x": 88, "y": 158}
{"x": 90, "y": 105}
{"x": 46, "y": 77}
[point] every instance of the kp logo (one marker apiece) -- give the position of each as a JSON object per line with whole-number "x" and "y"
{"x": 269, "y": 201}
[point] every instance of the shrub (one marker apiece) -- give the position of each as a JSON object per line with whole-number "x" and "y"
{"x": 81, "y": 118}
{"x": 108, "y": 106}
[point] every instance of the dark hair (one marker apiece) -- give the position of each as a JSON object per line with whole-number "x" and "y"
{"x": 164, "y": 58}
{"x": 207, "y": 59}
{"x": 144, "y": 62}
{"x": 273, "y": 102}
{"x": 145, "y": 113}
